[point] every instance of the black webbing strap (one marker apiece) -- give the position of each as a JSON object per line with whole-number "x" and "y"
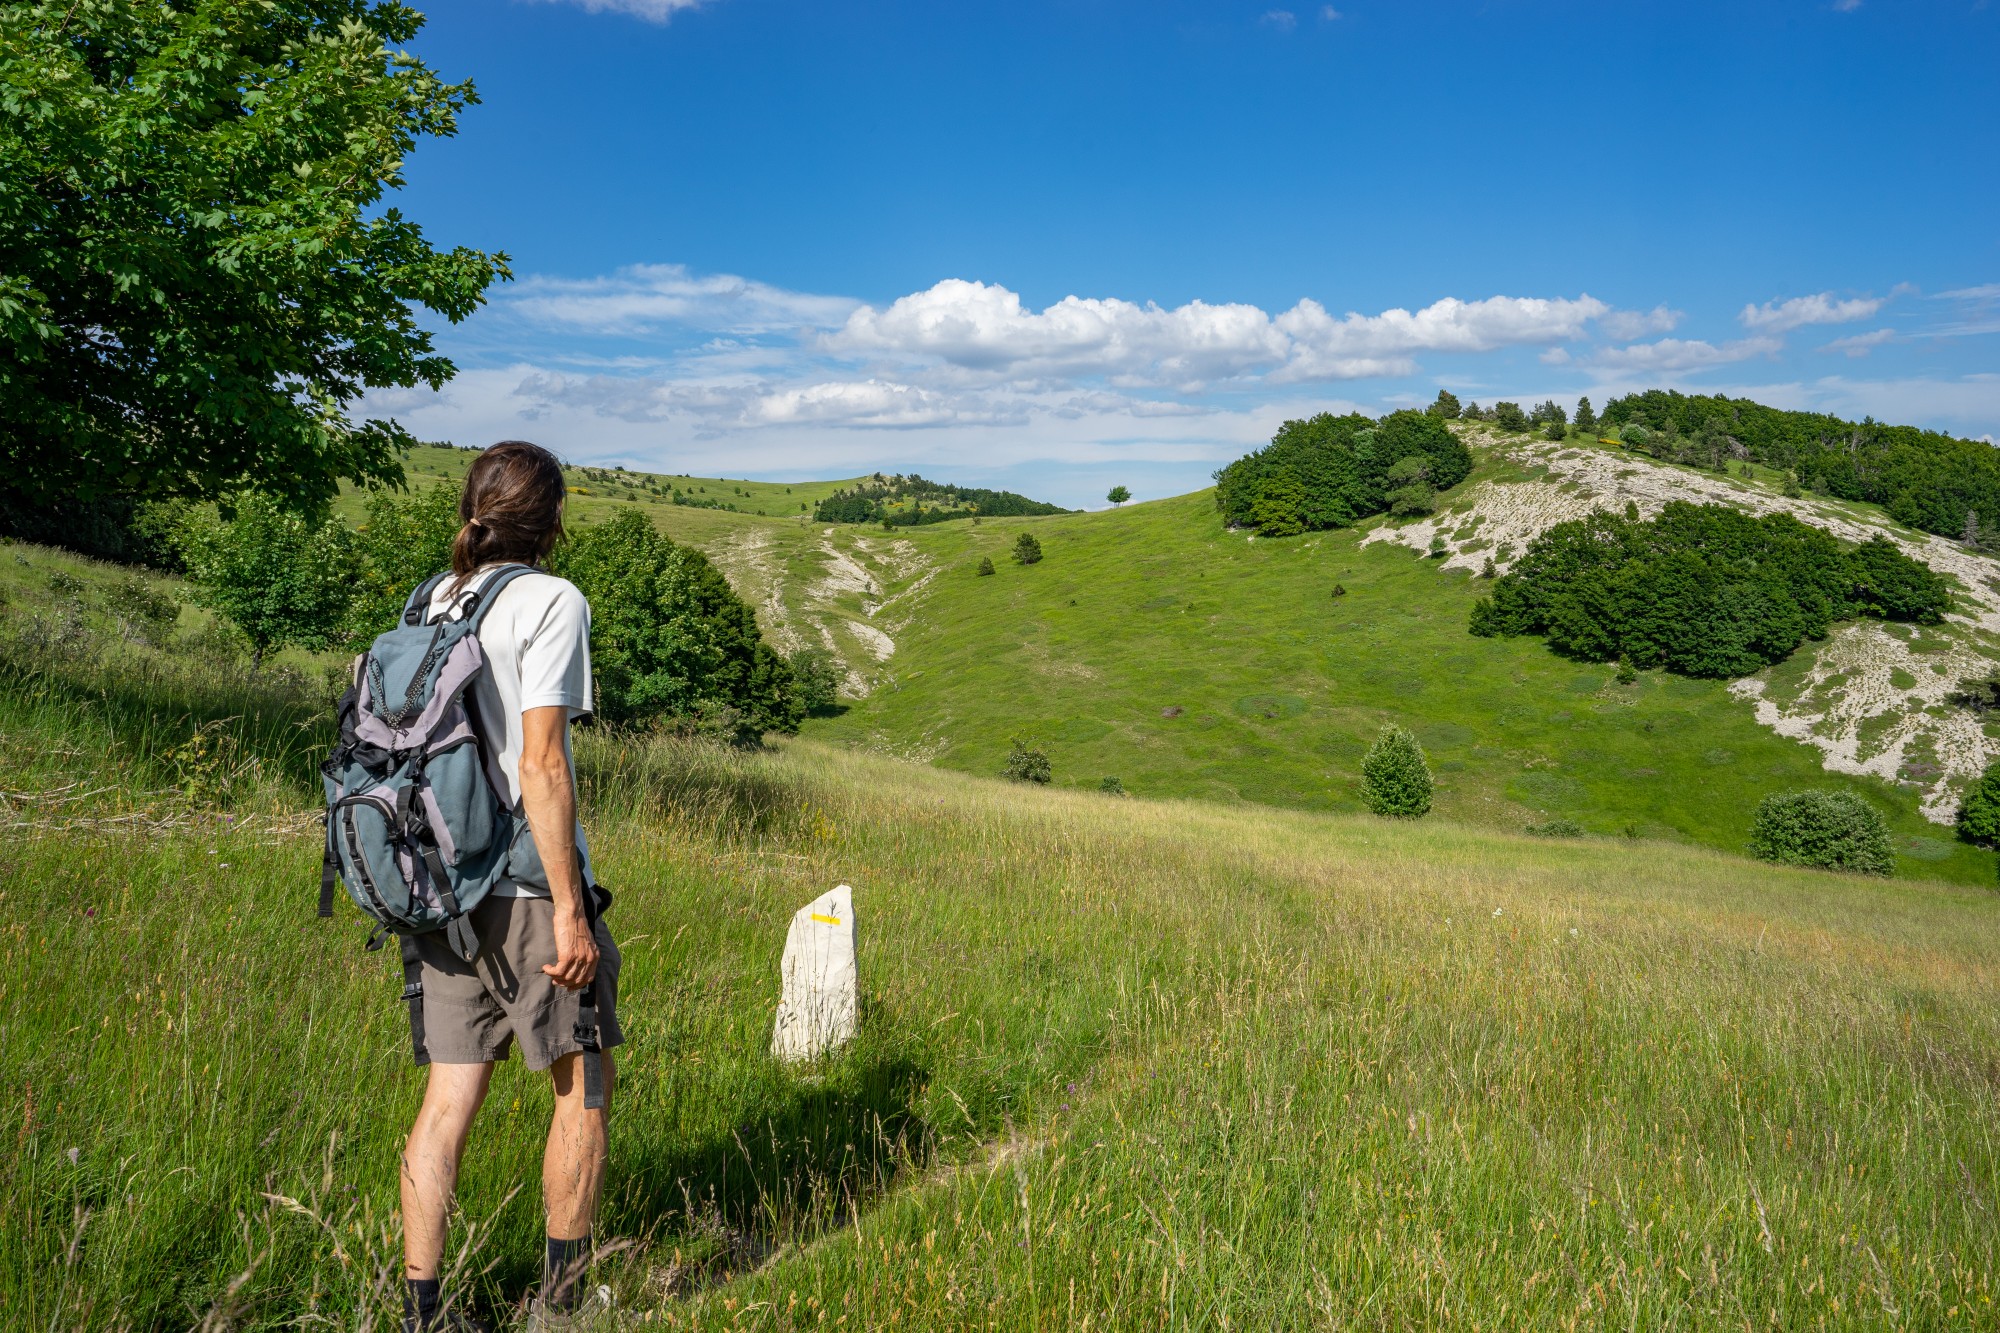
{"x": 413, "y": 996}
{"x": 417, "y": 609}
{"x": 329, "y": 868}
{"x": 586, "y": 1002}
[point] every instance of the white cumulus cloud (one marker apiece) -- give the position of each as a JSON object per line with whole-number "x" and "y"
{"x": 1284, "y": 20}
{"x": 985, "y": 328}
{"x": 1675, "y": 354}
{"x": 1820, "y": 308}
{"x": 1860, "y": 344}
{"x": 1625, "y": 325}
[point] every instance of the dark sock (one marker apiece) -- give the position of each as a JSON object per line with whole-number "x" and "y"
{"x": 562, "y": 1272}
{"x": 420, "y": 1302}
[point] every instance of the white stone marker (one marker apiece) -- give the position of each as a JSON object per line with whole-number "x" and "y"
{"x": 819, "y": 1001}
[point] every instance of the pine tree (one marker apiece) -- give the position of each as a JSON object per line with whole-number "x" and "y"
{"x": 1446, "y": 405}
{"x": 1586, "y": 416}
{"x": 1395, "y": 777}
{"x": 1027, "y": 550}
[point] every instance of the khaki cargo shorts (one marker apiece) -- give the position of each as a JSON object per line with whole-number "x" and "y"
{"x": 474, "y": 1012}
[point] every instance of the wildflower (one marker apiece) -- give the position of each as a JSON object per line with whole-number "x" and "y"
{"x": 223, "y": 865}
{"x": 72, "y": 1155}
{"x": 1498, "y": 910}
{"x": 90, "y": 911}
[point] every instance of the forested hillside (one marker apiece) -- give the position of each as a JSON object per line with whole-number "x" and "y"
{"x": 1924, "y": 478}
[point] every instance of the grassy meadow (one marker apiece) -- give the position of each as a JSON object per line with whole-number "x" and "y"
{"x": 1124, "y": 1063}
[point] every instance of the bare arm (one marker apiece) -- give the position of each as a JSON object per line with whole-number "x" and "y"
{"x": 548, "y": 796}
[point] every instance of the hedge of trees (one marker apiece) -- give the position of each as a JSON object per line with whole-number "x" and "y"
{"x": 1329, "y": 472}
{"x": 1924, "y": 478}
{"x": 1702, "y": 590}
{"x": 901, "y": 502}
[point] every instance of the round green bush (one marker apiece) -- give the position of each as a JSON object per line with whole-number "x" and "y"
{"x": 1395, "y": 778}
{"x": 1979, "y": 812}
{"x": 1026, "y": 763}
{"x": 1829, "y": 830}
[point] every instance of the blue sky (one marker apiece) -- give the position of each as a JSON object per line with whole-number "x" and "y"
{"x": 1054, "y": 246}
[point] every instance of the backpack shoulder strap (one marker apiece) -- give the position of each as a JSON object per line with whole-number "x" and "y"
{"x": 417, "y": 609}
{"x": 482, "y": 601}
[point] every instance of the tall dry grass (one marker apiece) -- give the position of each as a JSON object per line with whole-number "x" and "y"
{"x": 1122, "y": 1064}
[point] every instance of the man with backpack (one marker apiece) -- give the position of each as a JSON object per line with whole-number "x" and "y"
{"x": 452, "y": 821}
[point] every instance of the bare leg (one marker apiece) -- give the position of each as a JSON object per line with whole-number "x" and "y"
{"x": 573, "y": 1165}
{"x": 430, "y": 1161}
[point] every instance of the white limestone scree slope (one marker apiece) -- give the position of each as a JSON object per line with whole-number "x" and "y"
{"x": 1873, "y": 698}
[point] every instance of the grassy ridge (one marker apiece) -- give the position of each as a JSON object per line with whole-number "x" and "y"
{"x": 1124, "y": 1063}
{"x": 596, "y": 495}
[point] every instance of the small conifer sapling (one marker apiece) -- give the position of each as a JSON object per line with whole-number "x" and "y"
{"x": 1395, "y": 776}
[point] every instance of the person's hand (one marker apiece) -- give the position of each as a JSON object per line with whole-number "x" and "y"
{"x": 576, "y": 951}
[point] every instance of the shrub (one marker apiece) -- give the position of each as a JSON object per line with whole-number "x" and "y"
{"x": 816, "y": 676}
{"x": 1555, "y": 430}
{"x": 1027, "y": 551}
{"x": 1340, "y": 590}
{"x": 985, "y": 566}
{"x": 1979, "y": 812}
{"x": 279, "y": 578}
{"x": 1828, "y": 830}
{"x": 1556, "y": 828}
{"x": 1025, "y": 764}
{"x": 145, "y": 611}
{"x": 668, "y": 638}
{"x": 1111, "y": 787}
{"x": 1509, "y": 416}
{"x": 1413, "y": 500}
{"x": 1395, "y": 777}
{"x": 1329, "y": 472}
{"x": 1702, "y": 590}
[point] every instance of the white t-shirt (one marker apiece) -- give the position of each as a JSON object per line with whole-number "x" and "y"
{"x": 536, "y": 637}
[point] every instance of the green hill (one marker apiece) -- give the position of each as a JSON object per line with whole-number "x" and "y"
{"x": 1155, "y": 646}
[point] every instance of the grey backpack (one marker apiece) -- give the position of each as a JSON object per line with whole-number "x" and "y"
{"x": 417, "y": 828}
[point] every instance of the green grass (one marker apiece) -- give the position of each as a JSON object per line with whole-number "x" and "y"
{"x": 1280, "y": 686}
{"x": 1124, "y": 1063}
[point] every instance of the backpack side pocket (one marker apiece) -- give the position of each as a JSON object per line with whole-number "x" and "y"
{"x": 459, "y": 804}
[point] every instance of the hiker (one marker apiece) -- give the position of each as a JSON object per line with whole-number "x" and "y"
{"x": 539, "y": 949}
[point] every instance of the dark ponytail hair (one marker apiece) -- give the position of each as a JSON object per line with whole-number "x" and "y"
{"x": 511, "y": 506}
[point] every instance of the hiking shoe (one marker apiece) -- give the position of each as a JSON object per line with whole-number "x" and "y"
{"x": 448, "y": 1320}
{"x": 545, "y": 1318}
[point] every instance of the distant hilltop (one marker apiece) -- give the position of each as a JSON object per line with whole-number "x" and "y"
{"x": 911, "y": 501}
